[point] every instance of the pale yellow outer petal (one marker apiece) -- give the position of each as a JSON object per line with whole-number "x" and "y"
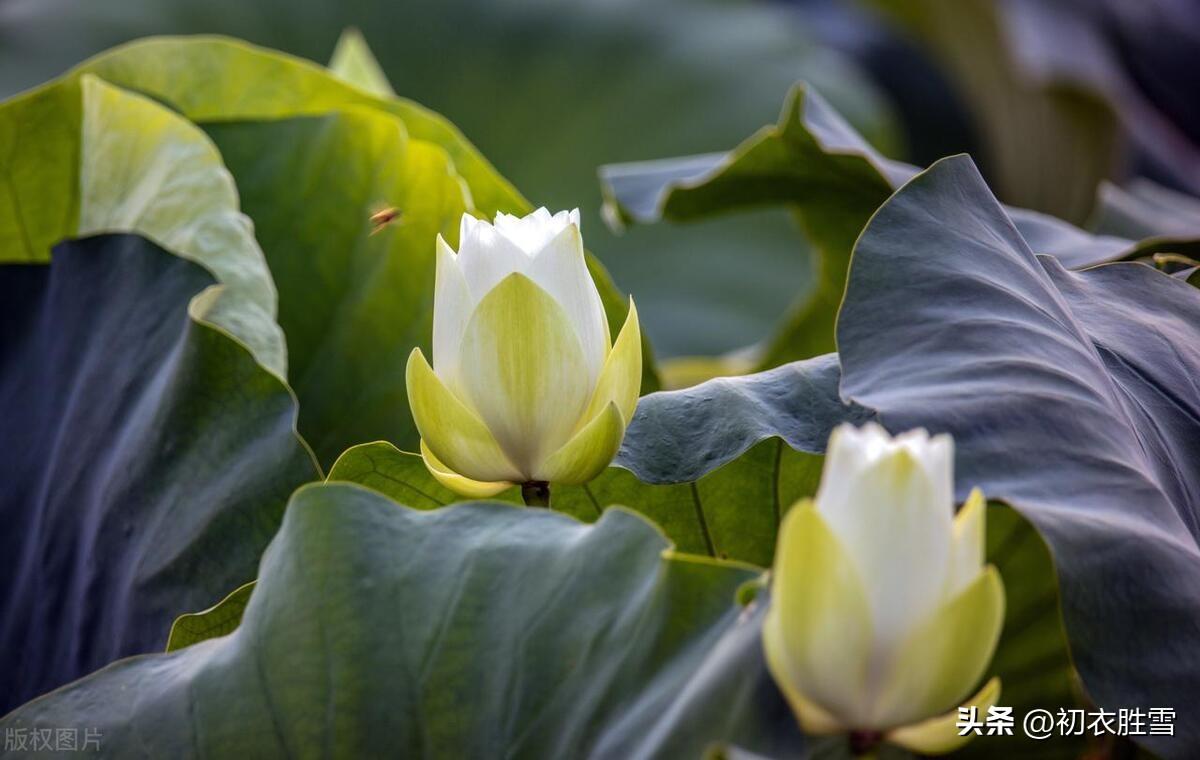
{"x": 814, "y": 720}
{"x": 967, "y": 543}
{"x": 588, "y": 453}
{"x": 944, "y": 657}
{"x": 817, "y": 632}
{"x": 939, "y": 735}
{"x": 620, "y": 380}
{"x": 452, "y": 431}
{"x": 523, "y": 371}
{"x": 463, "y": 486}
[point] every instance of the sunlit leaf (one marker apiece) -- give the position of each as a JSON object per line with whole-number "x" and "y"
{"x": 353, "y": 62}
{"x": 84, "y": 157}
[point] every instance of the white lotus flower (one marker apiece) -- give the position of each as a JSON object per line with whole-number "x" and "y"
{"x": 526, "y": 385}
{"x": 883, "y": 616}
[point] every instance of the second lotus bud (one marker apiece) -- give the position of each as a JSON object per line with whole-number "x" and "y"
{"x": 883, "y": 614}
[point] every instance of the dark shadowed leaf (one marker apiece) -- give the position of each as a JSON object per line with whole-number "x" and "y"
{"x": 1072, "y": 396}
{"x": 147, "y": 458}
{"x": 1162, "y": 220}
{"x": 677, "y": 436}
{"x": 1032, "y": 74}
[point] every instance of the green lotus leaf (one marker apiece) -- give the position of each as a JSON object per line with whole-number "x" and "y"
{"x": 353, "y": 62}
{"x": 478, "y": 629}
{"x": 218, "y": 620}
{"x": 87, "y": 157}
{"x": 548, "y": 93}
{"x": 313, "y": 158}
{"x": 1066, "y": 394}
{"x": 214, "y": 80}
{"x": 815, "y": 164}
{"x": 351, "y": 303}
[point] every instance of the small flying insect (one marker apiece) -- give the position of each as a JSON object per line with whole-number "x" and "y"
{"x": 384, "y": 217}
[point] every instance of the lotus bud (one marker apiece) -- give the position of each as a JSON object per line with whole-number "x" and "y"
{"x": 883, "y": 615}
{"x": 526, "y": 384}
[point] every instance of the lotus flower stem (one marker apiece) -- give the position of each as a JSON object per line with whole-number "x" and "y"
{"x": 864, "y": 743}
{"x": 536, "y": 493}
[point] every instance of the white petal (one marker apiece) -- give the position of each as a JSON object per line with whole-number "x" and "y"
{"x": 898, "y": 534}
{"x": 466, "y": 228}
{"x": 845, "y": 455}
{"x": 561, "y": 270}
{"x": 936, "y": 455}
{"x": 452, "y": 306}
{"x": 531, "y": 233}
{"x": 851, "y": 450}
{"x": 486, "y": 257}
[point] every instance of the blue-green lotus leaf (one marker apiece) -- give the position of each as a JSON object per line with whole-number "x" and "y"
{"x": 472, "y": 631}
{"x": 147, "y": 458}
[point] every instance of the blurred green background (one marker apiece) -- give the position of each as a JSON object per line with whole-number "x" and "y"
{"x": 549, "y": 90}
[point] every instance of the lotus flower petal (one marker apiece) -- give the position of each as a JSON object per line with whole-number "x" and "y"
{"x": 817, "y": 634}
{"x": 452, "y": 431}
{"x": 939, "y": 735}
{"x": 895, "y": 522}
{"x": 588, "y": 452}
{"x": 560, "y": 269}
{"x": 945, "y": 656}
{"x": 524, "y": 372}
{"x": 472, "y": 489}
{"x": 621, "y": 378}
